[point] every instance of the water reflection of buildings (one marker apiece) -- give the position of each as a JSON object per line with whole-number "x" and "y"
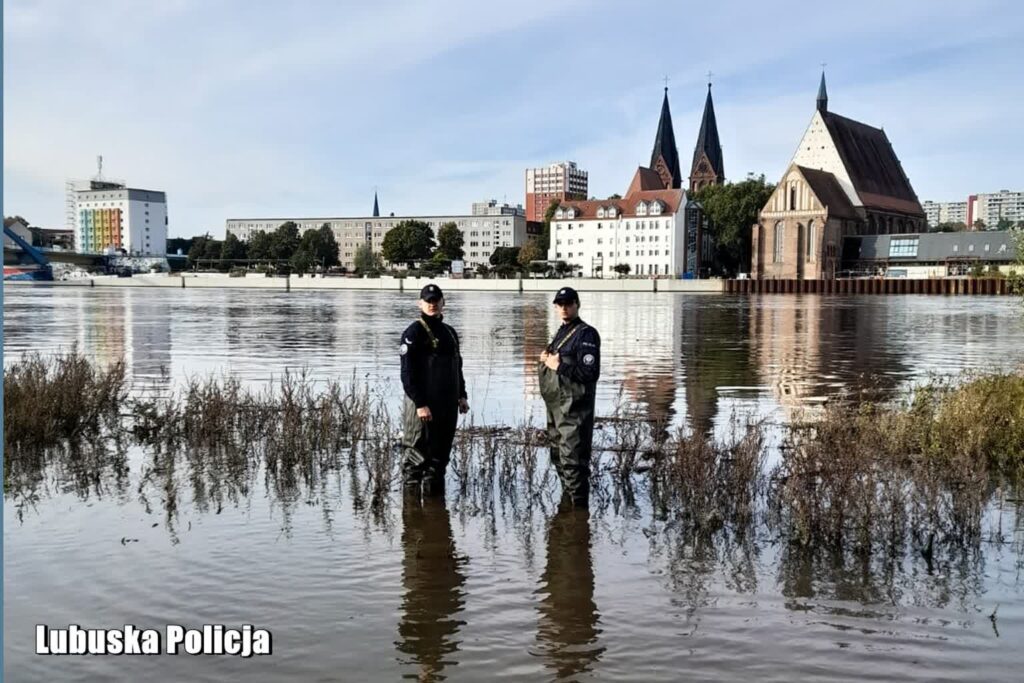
{"x": 434, "y": 583}
{"x": 715, "y": 355}
{"x": 129, "y": 325}
{"x": 807, "y": 348}
{"x": 567, "y": 628}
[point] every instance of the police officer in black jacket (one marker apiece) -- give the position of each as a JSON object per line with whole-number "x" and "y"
{"x": 569, "y": 368}
{"x": 435, "y": 392}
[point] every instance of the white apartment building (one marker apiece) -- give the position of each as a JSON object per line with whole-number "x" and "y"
{"x": 945, "y": 212}
{"x": 491, "y": 207}
{"x": 110, "y": 215}
{"x": 481, "y": 234}
{"x": 645, "y": 230}
{"x": 995, "y": 206}
{"x": 563, "y": 180}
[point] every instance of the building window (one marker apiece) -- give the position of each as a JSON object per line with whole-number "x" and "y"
{"x": 780, "y": 236}
{"x": 792, "y": 197}
{"x": 904, "y": 247}
{"x": 812, "y": 236}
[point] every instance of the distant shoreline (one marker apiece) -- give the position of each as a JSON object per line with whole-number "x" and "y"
{"x": 392, "y": 284}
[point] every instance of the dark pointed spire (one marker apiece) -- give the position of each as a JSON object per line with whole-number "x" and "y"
{"x": 665, "y": 144}
{"x": 708, "y": 145}
{"x": 376, "y": 207}
{"x": 822, "y": 94}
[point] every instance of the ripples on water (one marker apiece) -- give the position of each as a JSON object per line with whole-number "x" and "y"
{"x": 453, "y": 591}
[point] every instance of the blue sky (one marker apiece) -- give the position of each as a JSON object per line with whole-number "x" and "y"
{"x": 240, "y": 109}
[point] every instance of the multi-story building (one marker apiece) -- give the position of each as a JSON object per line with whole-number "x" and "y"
{"x": 111, "y": 215}
{"x": 996, "y": 209}
{"x": 653, "y": 229}
{"x": 562, "y": 181}
{"x": 491, "y": 207}
{"x": 481, "y": 234}
{"x": 945, "y": 212}
{"x": 644, "y": 229}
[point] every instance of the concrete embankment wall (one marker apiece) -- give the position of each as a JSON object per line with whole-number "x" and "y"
{"x": 218, "y": 281}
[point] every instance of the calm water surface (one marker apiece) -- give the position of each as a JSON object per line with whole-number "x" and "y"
{"x": 446, "y": 591}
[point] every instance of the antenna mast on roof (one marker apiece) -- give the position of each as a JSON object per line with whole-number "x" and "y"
{"x": 99, "y": 168}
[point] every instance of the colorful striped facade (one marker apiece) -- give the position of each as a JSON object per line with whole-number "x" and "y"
{"x": 100, "y": 228}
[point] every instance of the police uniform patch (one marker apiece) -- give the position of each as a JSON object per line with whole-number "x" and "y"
{"x": 403, "y": 349}
{"x": 589, "y": 359}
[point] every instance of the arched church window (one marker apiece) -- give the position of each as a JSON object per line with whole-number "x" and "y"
{"x": 780, "y": 237}
{"x": 792, "y": 197}
{"x": 812, "y": 239}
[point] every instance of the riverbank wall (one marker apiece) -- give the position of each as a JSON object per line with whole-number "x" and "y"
{"x": 935, "y": 286}
{"x": 219, "y": 281}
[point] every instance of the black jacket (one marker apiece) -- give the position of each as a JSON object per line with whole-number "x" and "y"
{"x": 432, "y": 364}
{"x": 579, "y": 349}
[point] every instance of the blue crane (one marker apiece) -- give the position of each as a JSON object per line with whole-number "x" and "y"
{"x": 41, "y": 270}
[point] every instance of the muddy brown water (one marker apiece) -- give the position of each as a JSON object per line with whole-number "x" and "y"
{"x": 459, "y": 591}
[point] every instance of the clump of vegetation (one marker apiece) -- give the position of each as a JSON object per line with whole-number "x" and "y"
{"x": 48, "y": 401}
{"x": 865, "y": 477}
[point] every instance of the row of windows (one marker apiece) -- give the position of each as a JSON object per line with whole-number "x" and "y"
{"x": 600, "y": 240}
{"x": 614, "y": 254}
{"x": 640, "y": 225}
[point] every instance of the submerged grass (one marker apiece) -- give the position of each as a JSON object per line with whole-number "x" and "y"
{"x": 864, "y": 478}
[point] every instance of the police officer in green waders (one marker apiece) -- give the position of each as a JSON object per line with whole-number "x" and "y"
{"x": 569, "y": 368}
{"x": 435, "y": 393}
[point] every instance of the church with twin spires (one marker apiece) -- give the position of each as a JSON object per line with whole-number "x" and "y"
{"x": 655, "y": 229}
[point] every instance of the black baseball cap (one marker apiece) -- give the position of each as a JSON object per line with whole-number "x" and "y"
{"x": 431, "y": 293}
{"x": 566, "y": 295}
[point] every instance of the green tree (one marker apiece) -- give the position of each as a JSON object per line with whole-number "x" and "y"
{"x": 615, "y": 196}
{"x": 978, "y": 224}
{"x": 949, "y": 226}
{"x": 232, "y": 248}
{"x": 285, "y": 241}
{"x": 562, "y": 268}
{"x": 622, "y": 269}
{"x": 408, "y": 242}
{"x": 302, "y": 261}
{"x": 505, "y": 256}
{"x": 450, "y": 242}
{"x": 545, "y": 236}
{"x": 505, "y": 270}
{"x": 1004, "y": 224}
{"x": 732, "y": 209}
{"x": 482, "y": 270}
{"x": 365, "y": 260}
{"x": 260, "y": 246}
{"x": 528, "y": 253}
{"x": 316, "y": 248}
{"x": 202, "y": 248}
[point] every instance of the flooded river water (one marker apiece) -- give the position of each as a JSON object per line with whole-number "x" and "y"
{"x": 450, "y": 591}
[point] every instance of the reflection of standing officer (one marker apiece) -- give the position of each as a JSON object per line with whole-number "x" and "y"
{"x": 569, "y": 370}
{"x": 567, "y": 628}
{"x": 433, "y": 579}
{"x": 435, "y": 392}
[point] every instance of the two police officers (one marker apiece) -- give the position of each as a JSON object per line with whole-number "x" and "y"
{"x": 569, "y": 369}
{"x": 435, "y": 393}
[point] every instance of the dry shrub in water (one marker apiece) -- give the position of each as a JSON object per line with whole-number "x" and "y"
{"x": 48, "y": 401}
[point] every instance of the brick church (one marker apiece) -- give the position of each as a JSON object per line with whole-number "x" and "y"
{"x": 844, "y": 179}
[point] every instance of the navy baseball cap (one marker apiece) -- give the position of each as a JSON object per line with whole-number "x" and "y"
{"x": 566, "y": 295}
{"x": 431, "y": 293}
